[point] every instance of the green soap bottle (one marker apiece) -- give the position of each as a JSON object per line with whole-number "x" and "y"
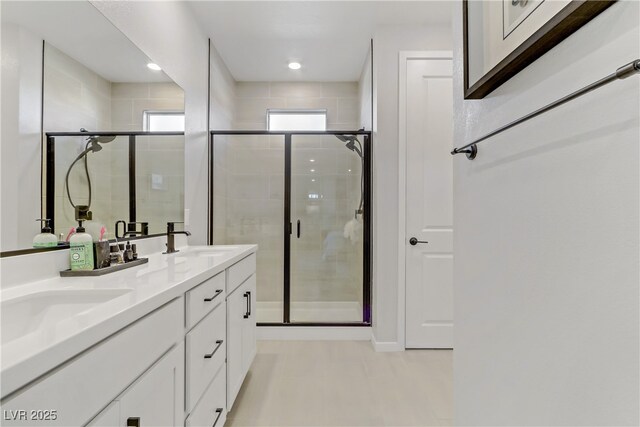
{"x": 81, "y": 249}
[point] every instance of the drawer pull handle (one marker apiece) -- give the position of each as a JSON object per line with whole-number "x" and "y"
{"x": 134, "y": 422}
{"x": 218, "y": 292}
{"x": 247, "y": 295}
{"x": 219, "y": 412}
{"x": 249, "y": 298}
{"x": 210, "y": 355}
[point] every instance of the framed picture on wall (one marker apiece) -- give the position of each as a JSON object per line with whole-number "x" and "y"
{"x": 502, "y": 37}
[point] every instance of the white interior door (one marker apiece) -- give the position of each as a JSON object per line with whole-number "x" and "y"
{"x": 429, "y": 204}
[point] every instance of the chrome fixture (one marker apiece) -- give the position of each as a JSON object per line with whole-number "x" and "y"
{"x": 171, "y": 242}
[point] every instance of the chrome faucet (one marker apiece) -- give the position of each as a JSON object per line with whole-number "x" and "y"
{"x": 171, "y": 242}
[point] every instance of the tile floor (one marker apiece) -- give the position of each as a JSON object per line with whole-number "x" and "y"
{"x": 344, "y": 383}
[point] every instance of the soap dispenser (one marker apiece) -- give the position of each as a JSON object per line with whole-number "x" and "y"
{"x": 45, "y": 239}
{"x": 81, "y": 249}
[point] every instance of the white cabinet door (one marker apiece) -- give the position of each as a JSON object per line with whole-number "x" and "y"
{"x": 157, "y": 397}
{"x": 237, "y": 309}
{"x": 249, "y": 325}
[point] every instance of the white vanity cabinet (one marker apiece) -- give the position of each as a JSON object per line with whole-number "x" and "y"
{"x": 241, "y": 324}
{"x": 182, "y": 364}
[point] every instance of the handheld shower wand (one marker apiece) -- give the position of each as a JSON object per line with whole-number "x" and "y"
{"x": 92, "y": 146}
{"x": 351, "y": 141}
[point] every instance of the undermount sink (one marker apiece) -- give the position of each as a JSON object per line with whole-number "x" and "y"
{"x": 27, "y": 313}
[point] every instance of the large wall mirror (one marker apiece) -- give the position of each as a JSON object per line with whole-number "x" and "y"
{"x": 87, "y": 120}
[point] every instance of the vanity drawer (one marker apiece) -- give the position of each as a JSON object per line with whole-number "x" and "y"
{"x": 204, "y": 298}
{"x": 211, "y": 410}
{"x": 240, "y": 271}
{"x": 206, "y": 353}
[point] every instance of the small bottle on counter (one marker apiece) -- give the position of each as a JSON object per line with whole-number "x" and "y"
{"x": 116, "y": 254}
{"x": 128, "y": 253}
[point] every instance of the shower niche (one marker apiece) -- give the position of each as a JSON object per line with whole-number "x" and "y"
{"x": 303, "y": 197}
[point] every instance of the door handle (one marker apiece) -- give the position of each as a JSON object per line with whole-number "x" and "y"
{"x": 413, "y": 241}
{"x": 218, "y": 292}
{"x": 298, "y": 229}
{"x": 246, "y": 313}
{"x": 133, "y": 422}
{"x": 210, "y": 355}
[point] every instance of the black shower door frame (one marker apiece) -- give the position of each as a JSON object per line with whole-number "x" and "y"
{"x": 288, "y": 226}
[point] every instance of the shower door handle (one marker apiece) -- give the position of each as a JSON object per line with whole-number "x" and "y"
{"x": 298, "y": 232}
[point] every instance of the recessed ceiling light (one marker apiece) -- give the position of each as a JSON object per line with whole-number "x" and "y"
{"x": 294, "y": 65}
{"x": 153, "y": 66}
{"x": 313, "y": 180}
{"x": 312, "y": 160}
{"x": 349, "y": 170}
{"x": 313, "y": 170}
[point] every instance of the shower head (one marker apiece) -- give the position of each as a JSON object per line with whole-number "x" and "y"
{"x": 351, "y": 143}
{"x": 94, "y": 141}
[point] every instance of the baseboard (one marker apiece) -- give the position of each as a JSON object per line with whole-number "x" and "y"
{"x": 382, "y": 346}
{"x": 314, "y": 333}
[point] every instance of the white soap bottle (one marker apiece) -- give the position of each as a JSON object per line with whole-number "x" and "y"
{"x": 45, "y": 239}
{"x": 81, "y": 249}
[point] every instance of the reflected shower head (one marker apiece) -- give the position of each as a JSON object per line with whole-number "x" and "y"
{"x": 351, "y": 143}
{"x": 94, "y": 141}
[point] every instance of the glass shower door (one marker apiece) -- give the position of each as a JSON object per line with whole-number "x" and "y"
{"x": 248, "y": 208}
{"x": 326, "y": 241}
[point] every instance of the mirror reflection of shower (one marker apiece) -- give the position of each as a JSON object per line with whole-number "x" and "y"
{"x": 92, "y": 146}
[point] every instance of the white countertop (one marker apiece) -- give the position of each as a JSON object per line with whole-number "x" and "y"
{"x": 165, "y": 277}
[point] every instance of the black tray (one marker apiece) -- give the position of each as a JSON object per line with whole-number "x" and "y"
{"x": 103, "y": 271}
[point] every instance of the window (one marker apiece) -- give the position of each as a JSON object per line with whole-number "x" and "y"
{"x": 164, "y": 121}
{"x": 297, "y": 120}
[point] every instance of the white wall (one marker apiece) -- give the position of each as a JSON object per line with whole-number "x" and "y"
{"x": 387, "y": 44}
{"x": 21, "y": 105}
{"x": 365, "y": 94}
{"x": 546, "y": 246}
{"x": 223, "y": 93}
{"x": 180, "y": 48}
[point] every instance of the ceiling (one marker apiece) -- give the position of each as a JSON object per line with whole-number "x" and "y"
{"x": 257, "y": 39}
{"x": 82, "y": 32}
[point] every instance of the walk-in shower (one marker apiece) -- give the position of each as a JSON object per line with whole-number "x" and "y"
{"x": 303, "y": 197}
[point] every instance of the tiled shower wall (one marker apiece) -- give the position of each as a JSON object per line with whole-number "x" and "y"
{"x": 339, "y": 98}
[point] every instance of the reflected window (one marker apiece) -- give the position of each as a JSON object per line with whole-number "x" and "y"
{"x": 164, "y": 121}
{"x": 297, "y": 120}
